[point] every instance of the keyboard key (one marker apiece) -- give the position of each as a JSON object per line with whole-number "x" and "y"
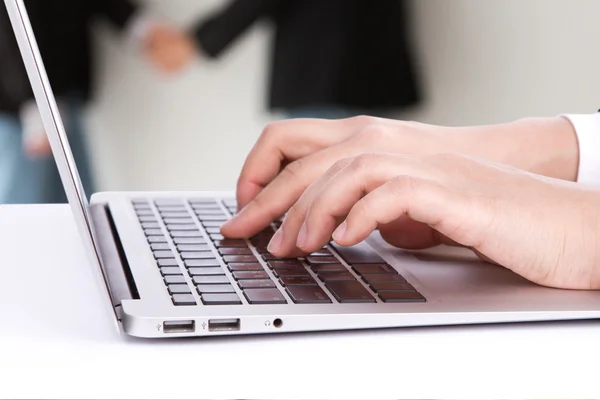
{"x": 211, "y": 217}
{"x": 197, "y": 255}
{"x": 193, "y": 247}
{"x": 250, "y": 275}
{"x": 278, "y": 272}
{"x": 216, "y": 236}
{"x": 174, "y": 289}
{"x": 147, "y": 218}
{"x": 391, "y": 286}
{"x": 210, "y": 280}
{"x": 213, "y": 229}
{"x": 156, "y": 239}
{"x": 144, "y": 213}
{"x": 370, "y": 278}
{"x": 163, "y": 254}
{"x": 322, "y": 260}
{"x": 209, "y": 262}
{"x": 349, "y": 292}
{"x": 173, "y": 207}
{"x": 168, "y": 202}
{"x": 328, "y": 268}
{"x": 230, "y": 202}
{"x": 170, "y": 271}
{"x": 235, "y": 251}
{"x": 150, "y": 225}
{"x": 230, "y": 243}
{"x": 203, "y": 289}
{"x": 184, "y": 300}
{"x": 262, "y": 249}
{"x": 256, "y": 283}
{"x": 178, "y": 221}
{"x": 160, "y": 246}
{"x": 239, "y": 259}
{"x": 359, "y": 254}
{"x": 270, "y": 257}
{"x": 211, "y": 224}
{"x": 205, "y": 271}
{"x": 167, "y": 262}
{"x": 174, "y": 279}
{"x": 322, "y": 253}
{"x": 374, "y": 269}
{"x": 336, "y": 276}
{"x": 195, "y": 240}
{"x": 221, "y": 299}
{"x": 401, "y": 297}
{"x": 297, "y": 280}
{"x": 245, "y": 267}
{"x": 180, "y": 234}
{"x": 153, "y": 232}
{"x": 202, "y": 201}
{"x": 182, "y": 227}
{"x": 264, "y": 296}
{"x": 307, "y": 294}
{"x": 284, "y": 264}
{"x": 176, "y": 215}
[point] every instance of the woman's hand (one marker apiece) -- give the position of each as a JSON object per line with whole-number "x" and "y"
{"x": 541, "y": 228}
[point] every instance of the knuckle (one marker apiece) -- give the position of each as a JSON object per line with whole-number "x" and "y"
{"x": 375, "y": 134}
{"x": 362, "y": 120}
{"x": 404, "y": 184}
{"x": 271, "y": 131}
{"x": 364, "y": 161}
{"x": 293, "y": 170}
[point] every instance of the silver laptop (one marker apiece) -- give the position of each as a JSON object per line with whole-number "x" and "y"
{"x": 168, "y": 272}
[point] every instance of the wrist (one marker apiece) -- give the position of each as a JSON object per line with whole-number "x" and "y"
{"x": 545, "y": 146}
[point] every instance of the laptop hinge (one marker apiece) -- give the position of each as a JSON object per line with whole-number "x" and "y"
{"x": 115, "y": 267}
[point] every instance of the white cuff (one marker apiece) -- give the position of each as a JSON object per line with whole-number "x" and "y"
{"x": 587, "y": 127}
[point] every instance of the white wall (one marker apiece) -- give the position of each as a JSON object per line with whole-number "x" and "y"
{"x": 484, "y": 61}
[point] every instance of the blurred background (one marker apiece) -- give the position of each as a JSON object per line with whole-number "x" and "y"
{"x": 478, "y": 62}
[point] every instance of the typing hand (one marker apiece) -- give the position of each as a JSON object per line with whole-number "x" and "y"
{"x": 291, "y": 155}
{"x": 37, "y": 145}
{"x": 168, "y": 49}
{"x": 541, "y": 228}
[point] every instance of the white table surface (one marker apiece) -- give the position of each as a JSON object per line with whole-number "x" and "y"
{"x": 58, "y": 340}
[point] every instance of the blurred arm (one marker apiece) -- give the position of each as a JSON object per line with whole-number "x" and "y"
{"x": 587, "y": 127}
{"x": 216, "y": 33}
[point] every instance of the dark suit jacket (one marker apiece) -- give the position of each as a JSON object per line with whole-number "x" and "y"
{"x": 353, "y": 53}
{"x": 62, "y": 30}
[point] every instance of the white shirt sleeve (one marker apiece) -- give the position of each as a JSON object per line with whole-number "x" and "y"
{"x": 587, "y": 127}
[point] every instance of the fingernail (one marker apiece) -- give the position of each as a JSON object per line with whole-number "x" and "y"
{"x": 338, "y": 234}
{"x": 302, "y": 236}
{"x": 275, "y": 242}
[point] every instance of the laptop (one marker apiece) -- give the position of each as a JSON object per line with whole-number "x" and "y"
{"x": 167, "y": 272}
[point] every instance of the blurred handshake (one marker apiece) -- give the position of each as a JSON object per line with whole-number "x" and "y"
{"x": 168, "y": 48}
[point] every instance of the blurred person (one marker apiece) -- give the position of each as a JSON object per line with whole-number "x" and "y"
{"x": 330, "y": 59}
{"x": 28, "y": 173}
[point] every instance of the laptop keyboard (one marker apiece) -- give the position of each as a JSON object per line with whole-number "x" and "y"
{"x": 201, "y": 267}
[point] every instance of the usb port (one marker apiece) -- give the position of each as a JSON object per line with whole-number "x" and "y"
{"x": 231, "y": 324}
{"x": 179, "y": 326}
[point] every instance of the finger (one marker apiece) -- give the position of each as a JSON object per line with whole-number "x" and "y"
{"x": 362, "y": 176}
{"x": 422, "y": 200}
{"x": 294, "y": 219}
{"x": 280, "y": 142}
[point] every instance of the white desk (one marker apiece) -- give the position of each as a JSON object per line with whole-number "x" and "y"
{"x": 56, "y": 340}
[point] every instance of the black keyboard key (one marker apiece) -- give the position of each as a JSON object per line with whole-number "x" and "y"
{"x": 220, "y": 299}
{"x": 239, "y": 259}
{"x": 401, "y": 297}
{"x": 209, "y": 262}
{"x": 279, "y": 272}
{"x": 205, "y": 271}
{"x": 230, "y": 243}
{"x": 284, "y": 264}
{"x": 362, "y": 269}
{"x": 174, "y": 279}
{"x": 182, "y": 227}
{"x": 370, "y": 278}
{"x": 245, "y": 267}
{"x": 203, "y": 289}
{"x": 197, "y": 255}
{"x": 297, "y": 280}
{"x": 322, "y": 260}
{"x": 179, "y": 289}
{"x": 270, "y": 257}
{"x": 210, "y": 280}
{"x": 170, "y": 271}
{"x": 194, "y": 240}
{"x": 160, "y": 246}
{"x": 153, "y": 232}
{"x": 187, "y": 234}
{"x": 163, "y": 254}
{"x": 235, "y": 251}
{"x": 193, "y": 247}
{"x": 262, "y": 249}
{"x": 156, "y": 239}
{"x": 256, "y": 283}
{"x": 391, "y": 286}
{"x": 359, "y": 254}
{"x": 322, "y": 253}
{"x": 250, "y": 275}
{"x": 307, "y": 294}
{"x": 264, "y": 296}
{"x": 150, "y": 225}
{"x": 336, "y": 276}
{"x": 328, "y": 268}
{"x": 184, "y": 300}
{"x": 167, "y": 262}
{"x": 349, "y": 292}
